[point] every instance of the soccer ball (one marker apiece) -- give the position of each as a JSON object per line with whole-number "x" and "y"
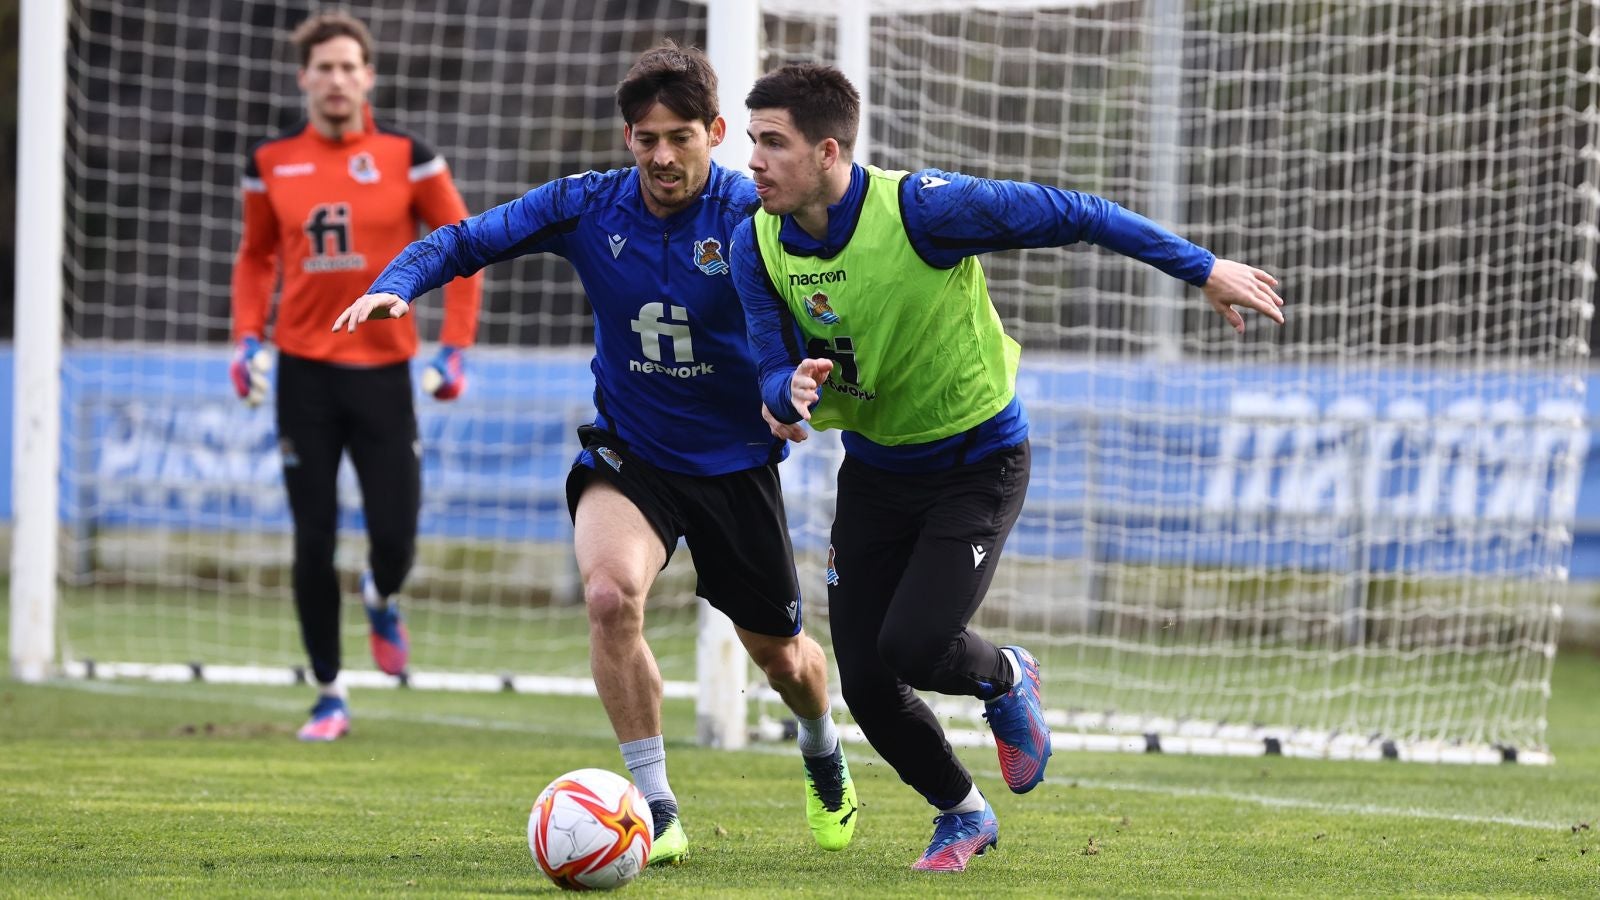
{"x": 590, "y": 829}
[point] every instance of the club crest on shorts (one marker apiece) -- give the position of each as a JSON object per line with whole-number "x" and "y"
{"x": 708, "y": 257}
{"x": 817, "y": 308}
{"x": 610, "y": 456}
{"x": 364, "y": 168}
{"x": 287, "y": 453}
{"x": 832, "y": 575}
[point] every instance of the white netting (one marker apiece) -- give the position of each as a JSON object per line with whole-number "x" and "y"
{"x": 1351, "y": 524}
{"x": 179, "y": 532}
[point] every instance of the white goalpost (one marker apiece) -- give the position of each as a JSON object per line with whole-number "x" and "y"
{"x": 1342, "y": 538}
{"x": 41, "y": 93}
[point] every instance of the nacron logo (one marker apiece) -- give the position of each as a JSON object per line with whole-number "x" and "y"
{"x": 810, "y": 278}
{"x": 657, "y": 321}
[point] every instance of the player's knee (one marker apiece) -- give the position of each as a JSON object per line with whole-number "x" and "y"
{"x": 917, "y": 662}
{"x": 782, "y": 662}
{"x": 869, "y": 700}
{"x": 612, "y": 609}
{"x": 314, "y": 547}
{"x": 398, "y": 541}
{"x": 394, "y": 559}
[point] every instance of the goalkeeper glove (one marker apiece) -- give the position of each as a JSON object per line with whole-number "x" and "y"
{"x": 248, "y": 370}
{"x": 446, "y": 377}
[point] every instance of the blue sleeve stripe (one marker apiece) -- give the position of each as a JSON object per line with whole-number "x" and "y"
{"x": 958, "y": 245}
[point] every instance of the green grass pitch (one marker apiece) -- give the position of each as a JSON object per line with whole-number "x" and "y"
{"x": 135, "y": 789}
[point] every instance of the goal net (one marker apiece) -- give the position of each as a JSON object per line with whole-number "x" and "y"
{"x": 1338, "y": 538}
{"x": 178, "y": 534}
{"x": 1341, "y": 537}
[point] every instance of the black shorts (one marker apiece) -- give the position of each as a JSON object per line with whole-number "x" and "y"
{"x": 734, "y": 525}
{"x": 915, "y": 553}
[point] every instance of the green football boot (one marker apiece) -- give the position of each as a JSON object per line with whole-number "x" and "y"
{"x": 670, "y": 845}
{"x": 830, "y": 800}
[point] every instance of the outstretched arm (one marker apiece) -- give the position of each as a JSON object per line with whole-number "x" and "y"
{"x": 524, "y": 225}
{"x": 529, "y": 224}
{"x": 951, "y": 216}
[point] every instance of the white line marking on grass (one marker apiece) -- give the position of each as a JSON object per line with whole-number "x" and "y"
{"x": 208, "y": 695}
{"x": 1353, "y": 809}
{"x": 1359, "y": 809}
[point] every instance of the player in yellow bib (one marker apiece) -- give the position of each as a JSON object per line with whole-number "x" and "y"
{"x": 869, "y": 312}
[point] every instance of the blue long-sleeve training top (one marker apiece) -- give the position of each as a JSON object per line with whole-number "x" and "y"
{"x": 673, "y": 374}
{"x": 948, "y": 216}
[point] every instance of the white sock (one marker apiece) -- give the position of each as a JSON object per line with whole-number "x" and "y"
{"x": 1016, "y": 665}
{"x": 370, "y": 595}
{"x": 647, "y": 763}
{"x": 334, "y": 688}
{"x": 818, "y": 737}
{"x": 972, "y": 804}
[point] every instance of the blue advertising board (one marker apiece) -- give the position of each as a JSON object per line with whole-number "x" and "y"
{"x": 1415, "y": 470}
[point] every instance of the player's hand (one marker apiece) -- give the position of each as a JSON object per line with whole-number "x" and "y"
{"x": 371, "y": 306}
{"x": 805, "y": 385}
{"x": 784, "y": 431}
{"x": 446, "y": 377}
{"x": 248, "y": 370}
{"x": 1236, "y": 284}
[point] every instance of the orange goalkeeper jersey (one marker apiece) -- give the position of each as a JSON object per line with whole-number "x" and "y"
{"x": 328, "y": 215}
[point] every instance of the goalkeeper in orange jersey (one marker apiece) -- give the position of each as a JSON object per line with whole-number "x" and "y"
{"x": 326, "y": 205}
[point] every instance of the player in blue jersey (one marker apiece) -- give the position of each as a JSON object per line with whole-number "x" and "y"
{"x": 679, "y": 447}
{"x": 868, "y": 312}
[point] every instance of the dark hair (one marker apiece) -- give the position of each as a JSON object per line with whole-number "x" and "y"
{"x": 681, "y": 78}
{"x": 822, "y": 102}
{"x": 322, "y": 28}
